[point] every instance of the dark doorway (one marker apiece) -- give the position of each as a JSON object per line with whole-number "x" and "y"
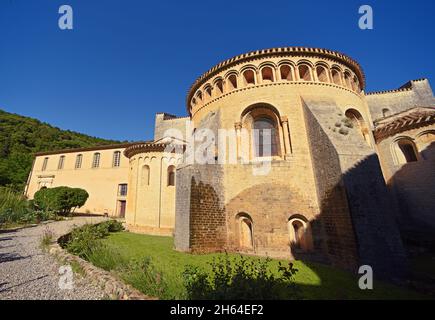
{"x": 121, "y": 208}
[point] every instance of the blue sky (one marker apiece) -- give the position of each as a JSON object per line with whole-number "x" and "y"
{"x": 125, "y": 60}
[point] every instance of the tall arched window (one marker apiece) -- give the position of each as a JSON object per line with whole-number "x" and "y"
{"x": 219, "y": 87}
{"x": 304, "y": 72}
{"x": 171, "y": 176}
{"x": 232, "y": 82}
{"x": 96, "y": 160}
{"x": 79, "y": 159}
{"x": 358, "y": 122}
{"x": 208, "y": 92}
{"x": 267, "y": 74}
{"x": 348, "y": 80}
{"x": 117, "y": 158}
{"x": 322, "y": 74}
{"x": 249, "y": 77}
{"x": 336, "y": 76}
{"x": 265, "y": 137}
{"x": 245, "y": 231}
{"x": 286, "y": 73}
{"x": 405, "y": 151}
{"x": 145, "y": 175}
{"x": 61, "y": 162}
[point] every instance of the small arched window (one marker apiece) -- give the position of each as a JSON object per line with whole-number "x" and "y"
{"x": 386, "y": 112}
{"x": 96, "y": 160}
{"x": 300, "y": 234}
{"x": 286, "y": 73}
{"x": 208, "y": 92}
{"x": 171, "y": 176}
{"x": 304, "y": 72}
{"x": 249, "y": 77}
{"x": 145, "y": 175}
{"x": 406, "y": 151}
{"x": 322, "y": 74}
{"x": 219, "y": 86}
{"x": 267, "y": 74}
{"x": 266, "y": 137}
{"x": 245, "y": 226}
{"x": 232, "y": 82}
{"x": 336, "y": 76}
{"x": 348, "y": 80}
{"x": 61, "y": 162}
{"x": 199, "y": 96}
{"x": 44, "y": 164}
{"x": 79, "y": 159}
{"x": 117, "y": 158}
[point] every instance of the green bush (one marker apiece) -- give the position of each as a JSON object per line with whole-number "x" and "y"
{"x": 14, "y": 208}
{"x": 84, "y": 239}
{"x": 62, "y": 200}
{"x": 241, "y": 279}
{"x": 143, "y": 275}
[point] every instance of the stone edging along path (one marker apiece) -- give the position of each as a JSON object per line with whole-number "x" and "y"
{"x": 112, "y": 286}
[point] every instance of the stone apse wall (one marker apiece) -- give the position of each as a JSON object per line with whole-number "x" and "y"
{"x": 354, "y": 195}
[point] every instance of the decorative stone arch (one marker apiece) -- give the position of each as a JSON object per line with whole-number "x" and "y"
{"x": 322, "y": 72}
{"x": 258, "y": 112}
{"x": 305, "y": 70}
{"x": 218, "y": 86}
{"x": 404, "y": 150}
{"x": 425, "y": 141}
{"x": 244, "y": 231}
{"x": 267, "y": 74}
{"x": 355, "y": 84}
{"x": 249, "y": 75}
{"x": 359, "y": 123}
{"x": 300, "y": 234}
{"x": 198, "y": 96}
{"x": 231, "y": 81}
{"x": 208, "y": 92}
{"x": 347, "y": 79}
{"x": 337, "y": 75}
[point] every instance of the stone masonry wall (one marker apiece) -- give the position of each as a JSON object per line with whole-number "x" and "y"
{"x": 371, "y": 208}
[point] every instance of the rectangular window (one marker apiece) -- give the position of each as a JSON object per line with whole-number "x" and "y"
{"x": 79, "y": 161}
{"x": 61, "y": 162}
{"x": 116, "y": 158}
{"x": 44, "y": 164}
{"x": 122, "y": 190}
{"x": 96, "y": 160}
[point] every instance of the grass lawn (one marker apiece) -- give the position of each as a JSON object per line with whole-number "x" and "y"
{"x": 317, "y": 281}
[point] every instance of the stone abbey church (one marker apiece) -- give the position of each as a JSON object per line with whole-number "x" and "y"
{"x": 351, "y": 179}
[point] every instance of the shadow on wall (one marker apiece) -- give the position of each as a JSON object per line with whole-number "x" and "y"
{"x": 414, "y": 186}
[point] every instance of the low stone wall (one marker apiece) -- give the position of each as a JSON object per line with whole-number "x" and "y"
{"x": 113, "y": 287}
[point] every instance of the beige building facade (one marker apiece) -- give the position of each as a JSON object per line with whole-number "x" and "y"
{"x": 335, "y": 188}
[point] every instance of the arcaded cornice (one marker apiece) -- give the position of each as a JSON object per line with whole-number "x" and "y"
{"x": 282, "y": 51}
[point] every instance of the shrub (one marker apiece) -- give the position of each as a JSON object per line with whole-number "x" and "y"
{"x": 143, "y": 275}
{"x": 14, "y": 208}
{"x": 241, "y": 279}
{"x": 62, "y": 200}
{"x": 84, "y": 239}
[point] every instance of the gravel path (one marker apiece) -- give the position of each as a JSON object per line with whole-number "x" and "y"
{"x": 27, "y": 272}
